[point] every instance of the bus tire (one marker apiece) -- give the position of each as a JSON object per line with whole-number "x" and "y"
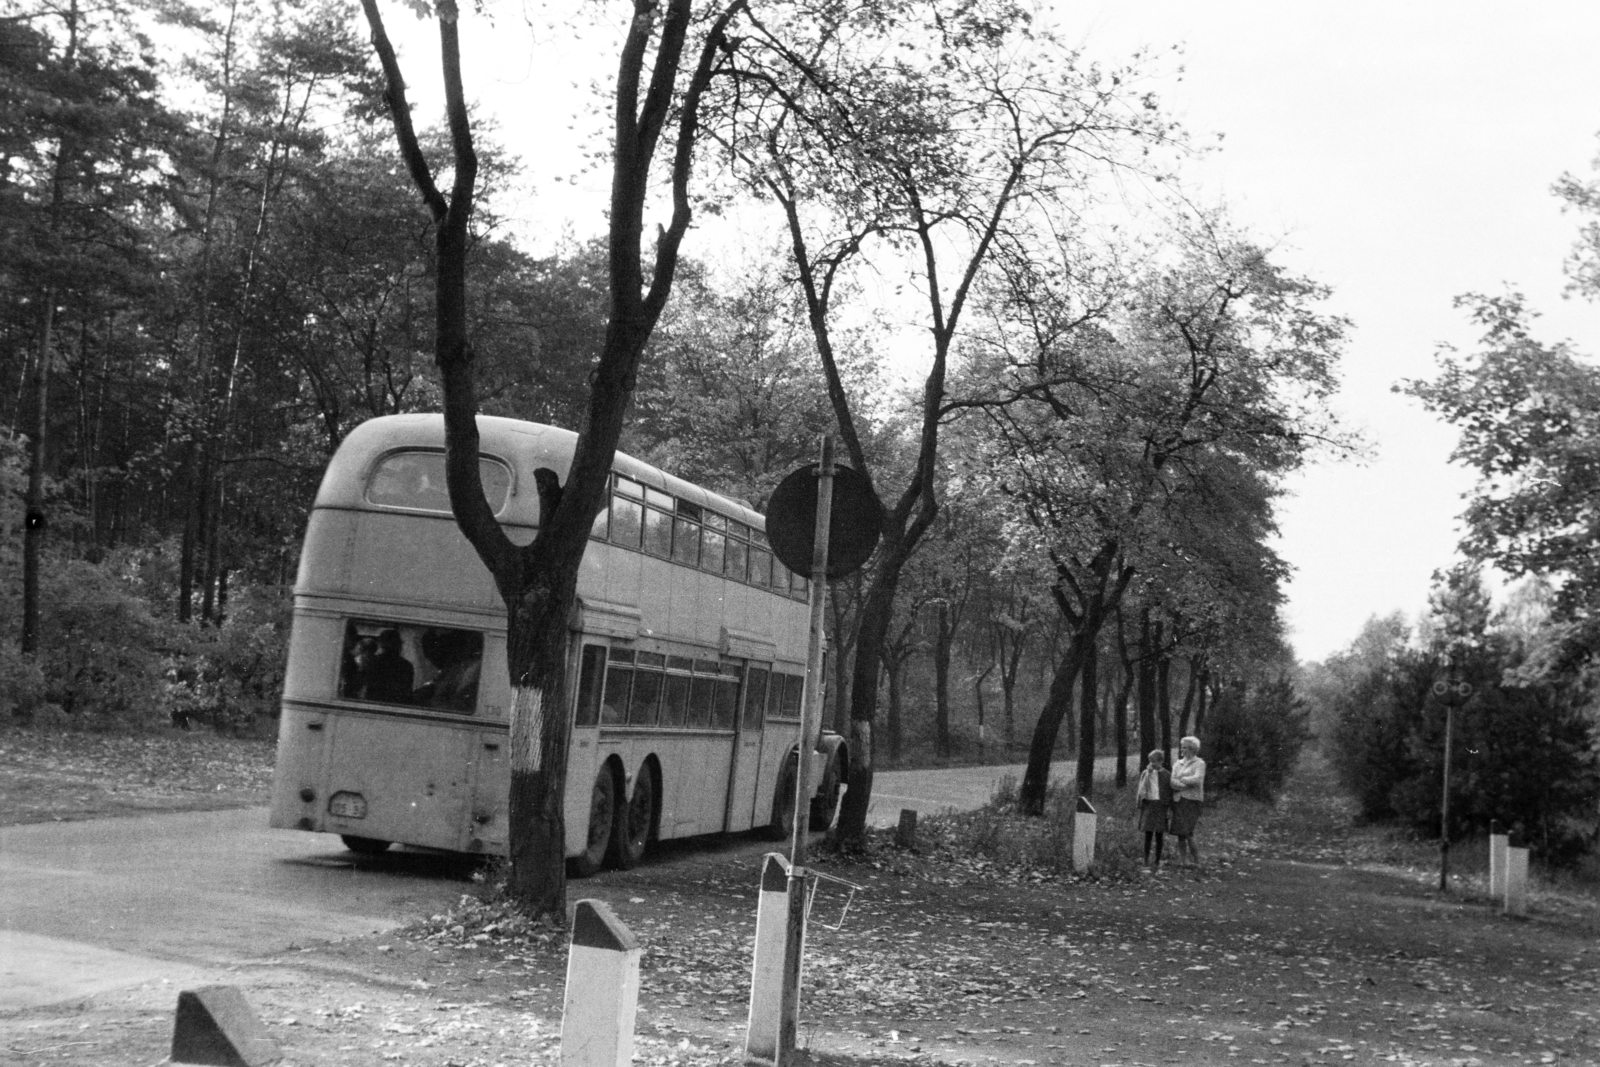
{"x": 367, "y": 846}
{"x": 602, "y": 824}
{"x": 634, "y": 819}
{"x": 782, "y": 824}
{"x": 827, "y": 798}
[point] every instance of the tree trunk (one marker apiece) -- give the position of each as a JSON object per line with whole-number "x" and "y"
{"x": 1088, "y": 714}
{"x": 1146, "y": 681}
{"x": 941, "y": 683}
{"x": 896, "y": 723}
{"x": 1121, "y": 727}
{"x": 871, "y": 639}
{"x": 1057, "y": 705}
{"x": 1188, "y": 700}
{"x": 1164, "y": 692}
{"x": 34, "y": 520}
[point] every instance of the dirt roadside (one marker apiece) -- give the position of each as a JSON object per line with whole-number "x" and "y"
{"x": 1305, "y": 942}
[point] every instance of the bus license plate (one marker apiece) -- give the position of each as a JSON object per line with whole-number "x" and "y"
{"x": 348, "y": 805}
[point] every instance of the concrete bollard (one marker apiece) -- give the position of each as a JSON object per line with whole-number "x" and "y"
{"x": 905, "y": 835}
{"x": 1083, "y": 828}
{"x": 602, "y": 990}
{"x": 214, "y": 1025}
{"x": 1497, "y": 862}
{"x": 1516, "y": 879}
{"x": 775, "y": 972}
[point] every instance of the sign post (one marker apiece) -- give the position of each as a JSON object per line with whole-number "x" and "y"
{"x": 811, "y": 536}
{"x": 1453, "y": 692}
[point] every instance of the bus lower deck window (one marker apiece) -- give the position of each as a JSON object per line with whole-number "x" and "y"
{"x": 419, "y": 666}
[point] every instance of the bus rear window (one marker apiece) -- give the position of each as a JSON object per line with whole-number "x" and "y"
{"x": 416, "y": 480}
{"x": 417, "y": 666}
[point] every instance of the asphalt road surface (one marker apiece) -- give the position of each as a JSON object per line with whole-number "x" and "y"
{"x": 91, "y": 906}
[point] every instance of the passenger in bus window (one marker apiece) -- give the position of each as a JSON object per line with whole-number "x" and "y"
{"x": 389, "y": 674}
{"x": 354, "y": 673}
{"x": 459, "y": 658}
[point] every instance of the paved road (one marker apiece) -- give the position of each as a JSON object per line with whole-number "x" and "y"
{"x": 91, "y": 906}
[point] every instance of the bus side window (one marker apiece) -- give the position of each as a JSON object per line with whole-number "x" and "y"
{"x": 760, "y": 567}
{"x": 784, "y": 703}
{"x": 755, "y": 697}
{"x": 734, "y": 560}
{"x": 657, "y": 532}
{"x": 702, "y": 693}
{"x": 626, "y": 521}
{"x": 686, "y": 542}
{"x": 726, "y": 708}
{"x": 647, "y": 677}
{"x": 590, "y": 676}
{"x": 675, "y": 697}
{"x": 711, "y": 550}
{"x": 619, "y": 680}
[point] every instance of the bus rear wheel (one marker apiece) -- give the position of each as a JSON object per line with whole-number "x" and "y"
{"x": 602, "y": 820}
{"x": 367, "y": 846}
{"x": 632, "y": 834}
{"x": 827, "y": 798}
{"x": 782, "y": 824}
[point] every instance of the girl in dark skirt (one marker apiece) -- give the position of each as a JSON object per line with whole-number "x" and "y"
{"x": 1155, "y": 799}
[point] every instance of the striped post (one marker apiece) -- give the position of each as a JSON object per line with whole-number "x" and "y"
{"x": 1083, "y": 826}
{"x": 1497, "y": 862}
{"x": 602, "y": 990}
{"x": 771, "y": 1028}
{"x": 1516, "y": 878}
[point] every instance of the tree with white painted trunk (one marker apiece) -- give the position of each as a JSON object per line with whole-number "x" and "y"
{"x": 656, "y": 95}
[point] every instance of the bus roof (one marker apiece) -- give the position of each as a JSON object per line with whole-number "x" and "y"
{"x": 524, "y": 446}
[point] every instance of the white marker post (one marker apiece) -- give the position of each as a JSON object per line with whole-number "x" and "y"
{"x": 1516, "y": 879}
{"x": 1083, "y": 830}
{"x": 763, "y": 1036}
{"x": 1497, "y": 862}
{"x": 602, "y": 990}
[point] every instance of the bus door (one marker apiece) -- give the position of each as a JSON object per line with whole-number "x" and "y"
{"x": 741, "y": 810}
{"x": 715, "y": 697}
{"x": 583, "y": 751}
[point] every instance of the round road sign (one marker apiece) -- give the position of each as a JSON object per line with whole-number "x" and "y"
{"x": 853, "y": 526}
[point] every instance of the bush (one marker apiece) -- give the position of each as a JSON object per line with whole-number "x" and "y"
{"x": 231, "y": 677}
{"x": 101, "y": 653}
{"x": 1253, "y": 739}
{"x": 1522, "y": 752}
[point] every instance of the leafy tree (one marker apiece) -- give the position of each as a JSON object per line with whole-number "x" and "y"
{"x": 944, "y": 140}
{"x": 1523, "y": 754}
{"x": 1151, "y": 427}
{"x": 1254, "y": 739}
{"x": 1529, "y": 418}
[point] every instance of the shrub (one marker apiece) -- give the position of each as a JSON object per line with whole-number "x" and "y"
{"x": 231, "y": 677}
{"x": 1253, "y": 739}
{"x": 101, "y": 649}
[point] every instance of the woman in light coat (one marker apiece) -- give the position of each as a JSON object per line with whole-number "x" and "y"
{"x": 1188, "y": 798}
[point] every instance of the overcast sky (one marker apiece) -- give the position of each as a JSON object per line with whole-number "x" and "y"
{"x": 1400, "y": 152}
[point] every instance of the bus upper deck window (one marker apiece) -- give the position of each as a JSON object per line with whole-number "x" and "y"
{"x": 657, "y": 532}
{"x": 735, "y": 556}
{"x": 626, "y": 520}
{"x": 416, "y": 480}
{"x": 712, "y": 543}
{"x": 686, "y": 541}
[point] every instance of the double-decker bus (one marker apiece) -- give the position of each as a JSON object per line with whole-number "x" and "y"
{"x": 685, "y": 668}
